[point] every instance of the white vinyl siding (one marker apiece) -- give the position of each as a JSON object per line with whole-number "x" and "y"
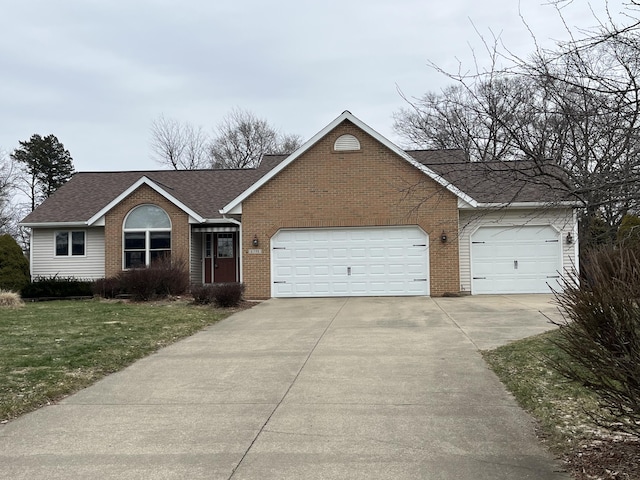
{"x": 45, "y": 263}
{"x": 197, "y": 274}
{"x": 561, "y": 220}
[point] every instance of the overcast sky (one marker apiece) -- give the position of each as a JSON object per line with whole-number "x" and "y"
{"x": 97, "y": 73}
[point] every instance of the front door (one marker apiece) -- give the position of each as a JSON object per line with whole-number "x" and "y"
{"x": 220, "y": 259}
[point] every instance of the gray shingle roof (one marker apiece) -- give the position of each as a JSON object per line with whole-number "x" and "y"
{"x": 204, "y": 191}
{"x": 497, "y": 182}
{"x": 207, "y": 191}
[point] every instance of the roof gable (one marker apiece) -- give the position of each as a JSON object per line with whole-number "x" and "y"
{"x": 345, "y": 116}
{"x": 144, "y": 181}
{"x": 85, "y": 198}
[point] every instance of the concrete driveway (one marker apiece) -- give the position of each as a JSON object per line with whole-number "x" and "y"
{"x": 343, "y": 388}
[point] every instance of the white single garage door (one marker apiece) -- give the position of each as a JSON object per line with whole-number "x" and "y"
{"x": 336, "y": 262}
{"x": 523, "y": 259}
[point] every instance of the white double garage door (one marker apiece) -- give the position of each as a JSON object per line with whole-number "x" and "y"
{"x": 394, "y": 261}
{"x": 336, "y": 262}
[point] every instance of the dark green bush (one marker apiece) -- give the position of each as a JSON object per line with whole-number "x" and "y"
{"x": 14, "y": 266}
{"x": 57, "y": 287}
{"x": 227, "y": 294}
{"x": 601, "y": 334}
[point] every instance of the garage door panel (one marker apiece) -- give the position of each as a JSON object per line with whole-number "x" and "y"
{"x": 350, "y": 261}
{"x": 521, "y": 259}
{"x": 302, "y": 270}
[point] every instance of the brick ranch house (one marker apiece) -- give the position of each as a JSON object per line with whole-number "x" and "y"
{"x": 348, "y": 214}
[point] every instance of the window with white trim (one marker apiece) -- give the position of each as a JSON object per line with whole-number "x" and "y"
{"x": 70, "y": 243}
{"x": 147, "y": 236}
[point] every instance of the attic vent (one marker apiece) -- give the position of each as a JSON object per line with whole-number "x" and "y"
{"x": 346, "y": 142}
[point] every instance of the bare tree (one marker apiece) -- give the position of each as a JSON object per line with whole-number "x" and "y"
{"x": 577, "y": 104}
{"x": 7, "y": 177}
{"x": 243, "y": 138}
{"x": 180, "y": 146}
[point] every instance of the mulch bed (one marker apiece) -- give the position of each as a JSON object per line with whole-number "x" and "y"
{"x": 617, "y": 459}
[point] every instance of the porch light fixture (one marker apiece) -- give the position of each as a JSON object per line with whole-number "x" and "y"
{"x": 569, "y": 238}
{"x": 255, "y": 241}
{"x": 443, "y": 237}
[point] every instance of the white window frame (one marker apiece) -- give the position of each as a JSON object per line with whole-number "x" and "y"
{"x": 69, "y": 253}
{"x": 147, "y": 238}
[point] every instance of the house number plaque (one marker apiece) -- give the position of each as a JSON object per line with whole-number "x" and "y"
{"x": 255, "y": 251}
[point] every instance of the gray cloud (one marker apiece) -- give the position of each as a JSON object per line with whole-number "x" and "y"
{"x": 97, "y": 73}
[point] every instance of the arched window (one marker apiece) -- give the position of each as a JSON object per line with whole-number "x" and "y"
{"x": 147, "y": 236}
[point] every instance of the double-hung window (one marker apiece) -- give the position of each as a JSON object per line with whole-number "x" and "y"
{"x": 147, "y": 236}
{"x": 70, "y": 243}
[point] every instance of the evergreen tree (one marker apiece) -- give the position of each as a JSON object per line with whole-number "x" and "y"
{"x": 14, "y": 266}
{"x": 46, "y": 165}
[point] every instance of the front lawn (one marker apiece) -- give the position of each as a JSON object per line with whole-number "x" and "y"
{"x": 562, "y": 410}
{"x": 51, "y": 349}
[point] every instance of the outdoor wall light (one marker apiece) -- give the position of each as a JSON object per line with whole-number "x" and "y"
{"x": 255, "y": 241}
{"x": 569, "y": 238}
{"x": 443, "y": 237}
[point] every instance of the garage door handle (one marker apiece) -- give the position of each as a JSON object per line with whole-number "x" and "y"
{"x": 349, "y": 271}
{"x": 515, "y": 264}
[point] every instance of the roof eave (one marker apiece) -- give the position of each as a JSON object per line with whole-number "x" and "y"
{"x": 521, "y": 205}
{"x": 77, "y": 224}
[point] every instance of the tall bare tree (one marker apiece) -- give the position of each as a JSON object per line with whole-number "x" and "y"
{"x": 181, "y": 146}
{"x": 7, "y": 177}
{"x": 577, "y": 104}
{"x": 242, "y": 138}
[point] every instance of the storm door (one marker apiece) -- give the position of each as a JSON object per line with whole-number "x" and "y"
{"x": 220, "y": 258}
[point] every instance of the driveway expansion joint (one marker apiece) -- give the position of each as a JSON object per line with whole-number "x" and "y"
{"x": 295, "y": 378}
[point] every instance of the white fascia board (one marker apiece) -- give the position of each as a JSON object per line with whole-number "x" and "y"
{"x": 144, "y": 180}
{"x": 54, "y": 225}
{"x": 346, "y": 115}
{"x": 521, "y": 205}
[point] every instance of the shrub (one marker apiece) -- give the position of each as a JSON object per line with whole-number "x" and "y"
{"x": 203, "y": 294}
{"x": 57, "y": 287}
{"x": 601, "y": 334}
{"x": 107, "y": 287}
{"x": 10, "y": 299}
{"x": 14, "y": 266}
{"x": 161, "y": 279}
{"x": 227, "y": 294}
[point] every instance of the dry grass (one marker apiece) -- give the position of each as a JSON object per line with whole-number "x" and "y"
{"x": 564, "y": 410}
{"x": 10, "y": 299}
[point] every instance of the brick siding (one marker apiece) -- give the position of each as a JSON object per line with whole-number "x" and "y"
{"x": 114, "y": 221}
{"x": 369, "y": 187}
